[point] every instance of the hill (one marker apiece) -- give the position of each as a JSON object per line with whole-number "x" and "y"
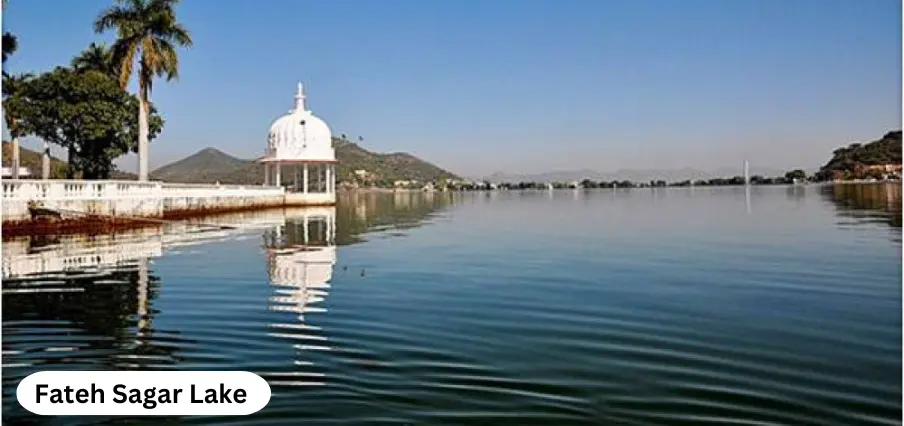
{"x": 212, "y": 165}
{"x": 856, "y": 160}
{"x": 385, "y": 167}
{"x": 207, "y": 165}
{"x": 32, "y": 160}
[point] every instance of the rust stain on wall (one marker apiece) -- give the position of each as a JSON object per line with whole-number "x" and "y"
{"x": 103, "y": 224}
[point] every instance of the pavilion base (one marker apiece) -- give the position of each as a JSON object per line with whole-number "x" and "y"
{"x": 128, "y": 200}
{"x": 310, "y": 199}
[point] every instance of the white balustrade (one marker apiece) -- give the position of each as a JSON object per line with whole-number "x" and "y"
{"x": 46, "y": 190}
{"x": 131, "y": 198}
{"x": 40, "y": 190}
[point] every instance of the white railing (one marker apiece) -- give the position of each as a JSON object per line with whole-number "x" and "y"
{"x": 75, "y": 255}
{"x": 24, "y": 190}
{"x": 39, "y": 190}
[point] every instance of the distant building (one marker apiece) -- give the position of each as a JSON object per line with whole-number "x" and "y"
{"x": 887, "y": 168}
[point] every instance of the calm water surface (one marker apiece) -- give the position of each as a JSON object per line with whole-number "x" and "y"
{"x": 765, "y": 306}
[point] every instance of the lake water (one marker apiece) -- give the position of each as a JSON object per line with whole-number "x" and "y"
{"x": 684, "y": 306}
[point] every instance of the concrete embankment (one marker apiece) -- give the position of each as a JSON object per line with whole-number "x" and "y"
{"x": 67, "y": 207}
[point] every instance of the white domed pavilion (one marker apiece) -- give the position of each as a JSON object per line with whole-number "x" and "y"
{"x": 300, "y": 156}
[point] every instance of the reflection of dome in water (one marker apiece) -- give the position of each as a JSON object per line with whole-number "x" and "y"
{"x": 303, "y": 275}
{"x": 300, "y": 259}
{"x": 310, "y": 267}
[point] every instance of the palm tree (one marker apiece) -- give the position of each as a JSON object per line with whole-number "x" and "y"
{"x": 10, "y": 88}
{"x": 147, "y": 32}
{"x": 97, "y": 57}
{"x": 10, "y": 44}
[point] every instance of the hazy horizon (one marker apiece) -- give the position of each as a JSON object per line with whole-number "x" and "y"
{"x": 484, "y": 87}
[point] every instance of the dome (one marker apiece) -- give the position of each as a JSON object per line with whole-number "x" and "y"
{"x": 299, "y": 136}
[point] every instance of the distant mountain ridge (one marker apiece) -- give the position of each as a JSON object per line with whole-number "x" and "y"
{"x": 211, "y": 165}
{"x": 207, "y": 165}
{"x": 634, "y": 175}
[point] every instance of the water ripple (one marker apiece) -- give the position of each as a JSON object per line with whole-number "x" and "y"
{"x": 483, "y": 314}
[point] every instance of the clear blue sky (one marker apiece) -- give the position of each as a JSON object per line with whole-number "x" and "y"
{"x": 480, "y": 86}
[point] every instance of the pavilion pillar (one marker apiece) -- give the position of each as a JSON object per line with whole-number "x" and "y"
{"x": 278, "y": 167}
{"x": 330, "y": 229}
{"x": 45, "y": 162}
{"x": 333, "y": 227}
{"x": 329, "y": 181}
{"x": 295, "y": 178}
{"x": 15, "y": 165}
{"x": 143, "y": 282}
{"x": 305, "y": 177}
{"x": 266, "y": 174}
{"x": 305, "y": 230}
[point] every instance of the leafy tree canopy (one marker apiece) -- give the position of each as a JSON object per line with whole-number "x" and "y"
{"x": 796, "y": 174}
{"x": 13, "y": 87}
{"x": 86, "y": 113}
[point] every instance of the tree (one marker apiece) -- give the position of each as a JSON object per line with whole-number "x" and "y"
{"x": 86, "y": 113}
{"x": 147, "y": 33}
{"x": 851, "y": 160}
{"x": 12, "y": 112}
{"x": 796, "y": 174}
{"x": 10, "y": 42}
{"x": 97, "y": 57}
{"x": 10, "y": 45}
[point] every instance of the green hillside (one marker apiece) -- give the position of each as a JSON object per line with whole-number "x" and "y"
{"x": 853, "y": 161}
{"x": 385, "y": 168}
{"x": 211, "y": 165}
{"x": 207, "y": 165}
{"x": 32, "y": 160}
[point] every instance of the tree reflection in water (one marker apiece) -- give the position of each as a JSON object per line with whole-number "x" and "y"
{"x": 866, "y": 203}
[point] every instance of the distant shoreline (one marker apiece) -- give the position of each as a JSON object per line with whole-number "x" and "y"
{"x": 826, "y": 183}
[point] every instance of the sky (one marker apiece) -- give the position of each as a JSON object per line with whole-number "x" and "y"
{"x": 526, "y": 86}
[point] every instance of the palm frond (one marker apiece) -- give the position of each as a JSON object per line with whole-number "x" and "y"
{"x": 10, "y": 45}
{"x": 124, "y": 52}
{"x": 148, "y": 33}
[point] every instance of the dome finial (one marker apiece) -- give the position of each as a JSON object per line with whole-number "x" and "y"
{"x": 300, "y": 98}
